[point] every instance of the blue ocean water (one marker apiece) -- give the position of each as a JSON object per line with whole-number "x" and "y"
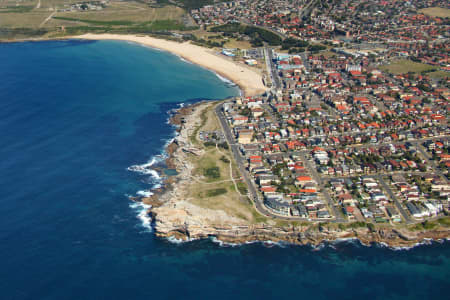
{"x": 74, "y": 115}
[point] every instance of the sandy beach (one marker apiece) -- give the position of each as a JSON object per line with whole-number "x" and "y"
{"x": 248, "y": 80}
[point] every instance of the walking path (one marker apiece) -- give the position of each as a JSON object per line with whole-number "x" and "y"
{"x": 48, "y": 18}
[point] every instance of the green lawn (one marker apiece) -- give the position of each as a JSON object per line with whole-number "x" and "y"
{"x": 403, "y": 66}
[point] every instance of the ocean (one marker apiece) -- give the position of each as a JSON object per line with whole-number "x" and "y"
{"x": 78, "y": 120}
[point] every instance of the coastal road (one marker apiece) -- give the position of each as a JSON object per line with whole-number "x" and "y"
{"x": 336, "y": 212}
{"x": 394, "y": 198}
{"x": 430, "y": 161}
{"x": 276, "y": 82}
{"x": 257, "y": 200}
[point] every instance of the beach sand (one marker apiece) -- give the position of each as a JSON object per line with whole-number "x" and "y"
{"x": 248, "y": 80}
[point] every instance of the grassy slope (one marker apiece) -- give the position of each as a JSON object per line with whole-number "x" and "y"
{"x": 404, "y": 66}
{"x": 25, "y": 20}
{"x": 436, "y": 12}
{"x": 230, "y": 202}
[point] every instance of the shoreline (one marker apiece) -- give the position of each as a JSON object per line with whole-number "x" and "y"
{"x": 175, "y": 219}
{"x": 171, "y": 191}
{"x": 249, "y": 81}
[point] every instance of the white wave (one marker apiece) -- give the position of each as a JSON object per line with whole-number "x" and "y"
{"x": 143, "y": 216}
{"x": 144, "y": 193}
{"x": 226, "y": 80}
{"x": 146, "y": 168}
{"x": 174, "y": 240}
{"x": 222, "y": 243}
{"x": 181, "y": 105}
{"x": 318, "y": 247}
{"x": 350, "y": 240}
{"x": 267, "y": 243}
{"x": 184, "y": 60}
{"x": 424, "y": 242}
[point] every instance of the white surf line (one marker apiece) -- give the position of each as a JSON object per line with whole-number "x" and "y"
{"x": 48, "y": 18}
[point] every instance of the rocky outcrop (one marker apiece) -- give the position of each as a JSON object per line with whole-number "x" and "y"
{"x": 179, "y": 223}
{"x": 175, "y": 216}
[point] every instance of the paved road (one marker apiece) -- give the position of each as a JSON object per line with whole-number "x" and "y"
{"x": 430, "y": 162}
{"x": 258, "y": 201}
{"x": 271, "y": 68}
{"x": 306, "y": 11}
{"x": 318, "y": 179}
{"x": 394, "y": 198}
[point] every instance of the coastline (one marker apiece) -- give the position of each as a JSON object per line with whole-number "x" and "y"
{"x": 178, "y": 222}
{"x": 176, "y": 219}
{"x": 249, "y": 81}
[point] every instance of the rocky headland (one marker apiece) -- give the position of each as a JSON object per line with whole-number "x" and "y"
{"x": 174, "y": 216}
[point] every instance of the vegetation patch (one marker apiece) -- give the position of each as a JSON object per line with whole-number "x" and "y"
{"x": 257, "y": 35}
{"x": 444, "y": 221}
{"x": 242, "y": 187}
{"x": 16, "y": 9}
{"x": 436, "y": 12}
{"x": 224, "y": 159}
{"x": 96, "y": 22}
{"x": 21, "y": 32}
{"x": 216, "y": 192}
{"x": 213, "y": 172}
{"x": 189, "y": 4}
{"x": 403, "y": 66}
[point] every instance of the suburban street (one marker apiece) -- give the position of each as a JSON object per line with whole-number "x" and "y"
{"x": 258, "y": 201}
{"x": 394, "y": 198}
{"x": 318, "y": 179}
{"x": 271, "y": 68}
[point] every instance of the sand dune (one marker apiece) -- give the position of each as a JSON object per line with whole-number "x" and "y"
{"x": 249, "y": 80}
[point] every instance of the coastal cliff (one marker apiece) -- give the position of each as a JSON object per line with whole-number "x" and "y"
{"x": 175, "y": 214}
{"x": 179, "y": 224}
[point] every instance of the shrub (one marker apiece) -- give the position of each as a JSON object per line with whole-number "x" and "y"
{"x": 216, "y": 192}
{"x": 212, "y": 172}
{"x": 224, "y": 159}
{"x": 223, "y": 145}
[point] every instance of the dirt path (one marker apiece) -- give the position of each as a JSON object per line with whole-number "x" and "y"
{"x": 48, "y": 18}
{"x": 231, "y": 173}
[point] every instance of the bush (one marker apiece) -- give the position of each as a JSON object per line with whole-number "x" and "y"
{"x": 223, "y": 145}
{"x": 212, "y": 172}
{"x": 209, "y": 144}
{"x": 224, "y": 159}
{"x": 357, "y": 224}
{"x": 242, "y": 187}
{"x": 216, "y": 192}
{"x": 257, "y": 34}
{"x": 293, "y": 43}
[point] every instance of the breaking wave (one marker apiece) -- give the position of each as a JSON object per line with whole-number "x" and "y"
{"x": 142, "y": 214}
{"x": 226, "y": 80}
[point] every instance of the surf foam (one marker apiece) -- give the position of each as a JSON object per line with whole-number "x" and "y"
{"x": 141, "y": 209}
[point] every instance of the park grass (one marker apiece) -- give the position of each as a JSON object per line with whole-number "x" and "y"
{"x": 16, "y": 9}
{"x": 117, "y": 17}
{"x": 438, "y": 74}
{"x": 219, "y": 193}
{"x": 443, "y": 222}
{"x": 96, "y": 22}
{"x": 436, "y": 12}
{"x": 403, "y": 66}
{"x": 233, "y": 43}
